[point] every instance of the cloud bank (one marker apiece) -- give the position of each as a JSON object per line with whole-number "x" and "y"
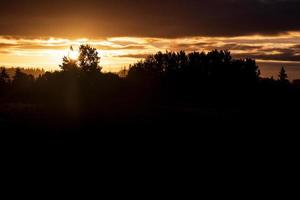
{"x": 148, "y": 18}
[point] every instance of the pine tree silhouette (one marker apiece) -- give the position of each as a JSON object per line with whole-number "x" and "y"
{"x": 283, "y": 77}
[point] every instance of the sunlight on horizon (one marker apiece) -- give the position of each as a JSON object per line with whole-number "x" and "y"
{"x": 118, "y": 52}
{"x": 73, "y": 54}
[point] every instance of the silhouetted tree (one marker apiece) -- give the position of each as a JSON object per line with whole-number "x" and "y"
{"x": 180, "y": 68}
{"x": 283, "y": 77}
{"x": 123, "y": 72}
{"x": 4, "y": 78}
{"x": 22, "y": 83}
{"x": 69, "y": 64}
{"x": 88, "y": 59}
{"x": 4, "y": 82}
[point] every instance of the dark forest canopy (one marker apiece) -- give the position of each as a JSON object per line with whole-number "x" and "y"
{"x": 165, "y": 71}
{"x": 217, "y": 65}
{"x": 170, "y": 92}
{"x": 170, "y": 104}
{"x": 206, "y": 108}
{"x": 36, "y": 72}
{"x": 197, "y": 77}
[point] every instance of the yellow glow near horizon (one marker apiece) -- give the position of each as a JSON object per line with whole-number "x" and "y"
{"x": 73, "y": 54}
{"x": 118, "y": 52}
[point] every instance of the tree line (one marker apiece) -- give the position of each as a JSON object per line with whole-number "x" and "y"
{"x": 169, "y": 71}
{"x": 163, "y": 78}
{"x": 169, "y": 101}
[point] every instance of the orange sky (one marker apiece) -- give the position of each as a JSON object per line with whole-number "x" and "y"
{"x": 117, "y": 52}
{"x": 39, "y": 33}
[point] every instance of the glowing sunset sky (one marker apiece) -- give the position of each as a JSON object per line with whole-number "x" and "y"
{"x": 39, "y": 33}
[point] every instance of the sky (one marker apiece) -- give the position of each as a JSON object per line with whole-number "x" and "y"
{"x": 35, "y": 33}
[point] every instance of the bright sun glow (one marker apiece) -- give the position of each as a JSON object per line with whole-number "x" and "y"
{"x": 117, "y": 52}
{"x": 73, "y": 54}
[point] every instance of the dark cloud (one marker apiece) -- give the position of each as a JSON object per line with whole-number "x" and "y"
{"x": 4, "y": 51}
{"x": 5, "y": 46}
{"x": 136, "y": 56}
{"x": 235, "y": 46}
{"x": 255, "y": 52}
{"x": 297, "y": 46}
{"x": 41, "y": 47}
{"x": 151, "y": 18}
{"x": 190, "y": 47}
{"x": 128, "y": 47}
{"x": 27, "y": 46}
{"x": 282, "y": 55}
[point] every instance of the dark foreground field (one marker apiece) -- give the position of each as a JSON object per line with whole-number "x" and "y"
{"x": 220, "y": 146}
{"x": 176, "y": 125}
